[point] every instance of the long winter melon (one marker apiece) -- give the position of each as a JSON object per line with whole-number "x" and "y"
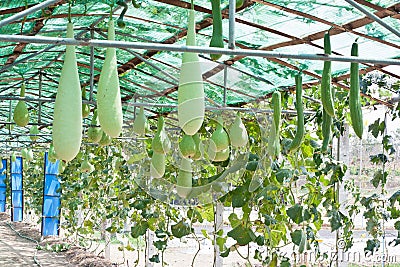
{"x": 190, "y": 90}
{"x": 109, "y": 108}
{"x": 67, "y": 123}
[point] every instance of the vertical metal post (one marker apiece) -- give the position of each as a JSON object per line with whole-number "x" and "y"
{"x": 150, "y": 248}
{"x": 219, "y": 219}
{"x": 383, "y": 258}
{"x": 225, "y": 82}
{"x": 107, "y": 239}
{"x": 342, "y": 154}
{"x": 232, "y": 10}
{"x": 9, "y": 117}
{"x": 91, "y": 66}
{"x": 40, "y": 97}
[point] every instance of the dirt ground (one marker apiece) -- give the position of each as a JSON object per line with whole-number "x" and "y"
{"x": 16, "y": 251}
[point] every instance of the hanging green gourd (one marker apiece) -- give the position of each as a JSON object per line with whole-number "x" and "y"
{"x": 21, "y": 113}
{"x": 298, "y": 138}
{"x": 139, "y": 125}
{"x": 217, "y": 39}
{"x": 190, "y": 90}
{"x": 61, "y": 166}
{"x": 135, "y": 4}
{"x": 238, "y": 133}
{"x": 157, "y": 165}
{"x": 187, "y": 146}
{"x": 13, "y": 157}
{"x": 161, "y": 143}
{"x": 184, "y": 178}
{"x": 94, "y": 133}
{"x": 239, "y": 3}
{"x": 219, "y": 139}
{"x": 1, "y": 164}
{"x": 23, "y": 152}
{"x": 326, "y": 130}
{"x": 67, "y": 122}
{"x": 29, "y": 155}
{"x": 326, "y": 89}
{"x": 273, "y": 139}
{"x": 86, "y": 166}
{"x": 33, "y": 132}
{"x": 199, "y": 147}
{"x": 109, "y": 107}
{"x": 85, "y": 107}
{"x": 354, "y": 98}
{"x": 105, "y": 139}
{"x": 218, "y": 156}
{"x": 52, "y": 154}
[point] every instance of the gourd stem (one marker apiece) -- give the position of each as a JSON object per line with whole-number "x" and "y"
{"x": 192, "y": 4}
{"x": 111, "y": 11}
{"x": 69, "y": 10}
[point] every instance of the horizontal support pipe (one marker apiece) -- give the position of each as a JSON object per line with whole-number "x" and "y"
{"x": 40, "y": 100}
{"x": 195, "y": 49}
{"x": 151, "y": 105}
{"x": 26, "y": 12}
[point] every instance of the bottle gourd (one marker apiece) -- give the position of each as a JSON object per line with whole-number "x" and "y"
{"x": 161, "y": 143}
{"x": 21, "y": 113}
{"x": 190, "y": 90}
{"x": 94, "y": 133}
{"x": 238, "y": 133}
{"x": 109, "y": 107}
{"x": 139, "y": 125}
{"x": 67, "y": 123}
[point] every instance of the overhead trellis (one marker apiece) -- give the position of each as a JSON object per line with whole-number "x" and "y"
{"x": 151, "y": 76}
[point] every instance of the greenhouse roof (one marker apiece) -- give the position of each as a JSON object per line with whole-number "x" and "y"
{"x": 151, "y": 77}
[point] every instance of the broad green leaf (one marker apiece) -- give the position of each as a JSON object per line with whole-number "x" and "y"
{"x": 296, "y": 236}
{"x": 139, "y": 229}
{"x": 242, "y": 235}
{"x": 181, "y": 229}
{"x": 233, "y": 220}
{"x": 295, "y": 213}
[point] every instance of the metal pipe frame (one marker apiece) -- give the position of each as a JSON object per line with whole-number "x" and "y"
{"x": 374, "y": 17}
{"x": 159, "y": 105}
{"x": 194, "y": 49}
{"x": 232, "y": 10}
{"x": 26, "y": 12}
{"x": 80, "y": 34}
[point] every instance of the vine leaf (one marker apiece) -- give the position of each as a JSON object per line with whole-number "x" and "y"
{"x": 335, "y": 219}
{"x": 242, "y": 235}
{"x": 377, "y": 127}
{"x": 181, "y": 229}
{"x": 296, "y": 236}
{"x": 233, "y": 220}
{"x": 295, "y": 213}
{"x": 372, "y": 246}
{"x": 155, "y": 258}
{"x": 139, "y": 229}
{"x": 379, "y": 158}
{"x": 379, "y": 177}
